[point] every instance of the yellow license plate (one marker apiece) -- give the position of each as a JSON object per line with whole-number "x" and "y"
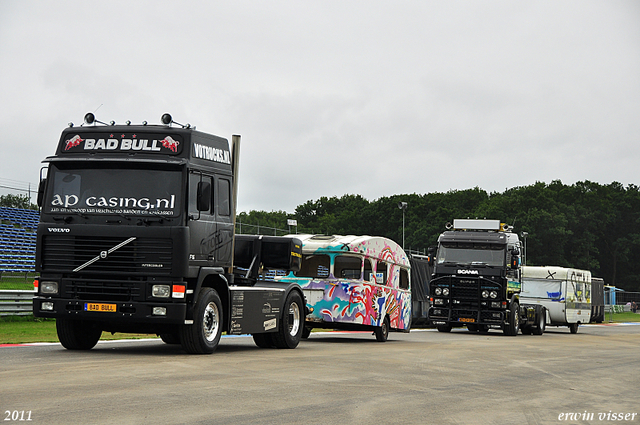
{"x": 467, "y": 320}
{"x": 106, "y": 308}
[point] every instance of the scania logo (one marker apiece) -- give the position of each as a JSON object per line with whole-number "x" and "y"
{"x": 468, "y": 272}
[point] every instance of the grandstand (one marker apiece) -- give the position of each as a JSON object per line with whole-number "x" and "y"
{"x": 17, "y": 240}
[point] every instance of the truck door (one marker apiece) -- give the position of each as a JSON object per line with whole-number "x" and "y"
{"x": 202, "y": 223}
{"x": 223, "y": 206}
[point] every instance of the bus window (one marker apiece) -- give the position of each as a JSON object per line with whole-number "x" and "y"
{"x": 347, "y": 267}
{"x": 368, "y": 270}
{"x": 404, "y": 279}
{"x": 381, "y": 273}
{"x": 314, "y": 266}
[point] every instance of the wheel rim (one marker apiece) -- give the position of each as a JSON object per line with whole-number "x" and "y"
{"x": 294, "y": 319}
{"x": 210, "y": 322}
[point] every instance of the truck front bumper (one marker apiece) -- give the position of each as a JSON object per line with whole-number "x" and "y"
{"x": 101, "y": 311}
{"x": 445, "y": 316}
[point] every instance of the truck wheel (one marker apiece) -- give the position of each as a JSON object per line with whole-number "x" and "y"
{"x": 292, "y": 322}
{"x": 444, "y": 328}
{"x": 170, "y": 338}
{"x": 77, "y": 334}
{"x": 573, "y": 327}
{"x": 306, "y": 332}
{"x": 264, "y": 340}
{"x": 204, "y": 335}
{"x": 382, "y": 332}
{"x": 512, "y": 328}
{"x": 542, "y": 323}
{"x": 472, "y": 328}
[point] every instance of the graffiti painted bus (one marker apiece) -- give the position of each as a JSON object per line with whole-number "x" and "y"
{"x": 354, "y": 283}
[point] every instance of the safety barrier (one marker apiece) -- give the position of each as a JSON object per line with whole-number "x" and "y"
{"x": 16, "y": 303}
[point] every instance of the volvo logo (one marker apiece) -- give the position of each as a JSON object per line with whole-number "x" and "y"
{"x": 468, "y": 272}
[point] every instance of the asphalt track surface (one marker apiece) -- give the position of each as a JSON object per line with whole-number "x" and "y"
{"x": 424, "y": 377}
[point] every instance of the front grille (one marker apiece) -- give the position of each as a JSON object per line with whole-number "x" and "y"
{"x": 143, "y": 256}
{"x": 102, "y": 290}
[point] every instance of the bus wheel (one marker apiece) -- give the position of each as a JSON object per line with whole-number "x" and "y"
{"x": 382, "y": 332}
{"x": 573, "y": 327}
{"x": 542, "y": 323}
{"x": 292, "y": 322}
{"x": 77, "y": 334}
{"x": 203, "y": 336}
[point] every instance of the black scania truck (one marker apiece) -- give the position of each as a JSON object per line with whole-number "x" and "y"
{"x": 137, "y": 235}
{"x": 476, "y": 281}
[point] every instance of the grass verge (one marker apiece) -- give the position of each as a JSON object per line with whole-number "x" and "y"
{"x": 27, "y": 329}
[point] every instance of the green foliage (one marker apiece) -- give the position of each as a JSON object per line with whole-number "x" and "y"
{"x": 585, "y": 225}
{"x": 17, "y": 201}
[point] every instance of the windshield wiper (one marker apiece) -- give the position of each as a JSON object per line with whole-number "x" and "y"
{"x": 68, "y": 218}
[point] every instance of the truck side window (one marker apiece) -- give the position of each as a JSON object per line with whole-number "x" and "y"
{"x": 224, "y": 197}
{"x": 194, "y": 179}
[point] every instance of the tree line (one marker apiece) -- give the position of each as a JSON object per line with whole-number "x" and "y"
{"x": 585, "y": 225}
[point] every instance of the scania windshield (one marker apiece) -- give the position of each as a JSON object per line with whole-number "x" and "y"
{"x": 471, "y": 254}
{"x": 124, "y": 191}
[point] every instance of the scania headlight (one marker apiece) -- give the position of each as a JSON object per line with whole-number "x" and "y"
{"x": 494, "y": 294}
{"x": 438, "y": 301}
{"x": 445, "y": 291}
{"x": 48, "y": 287}
{"x": 438, "y": 291}
{"x": 161, "y": 291}
{"x": 485, "y": 294}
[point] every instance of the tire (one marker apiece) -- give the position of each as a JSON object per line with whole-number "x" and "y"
{"x": 526, "y": 330}
{"x": 542, "y": 323}
{"x": 306, "y": 332}
{"x": 512, "y": 328}
{"x": 382, "y": 332}
{"x": 292, "y": 323}
{"x": 444, "y": 328}
{"x": 203, "y": 336}
{"x": 472, "y": 328}
{"x": 77, "y": 334}
{"x": 264, "y": 340}
{"x": 573, "y": 328}
{"x": 170, "y": 338}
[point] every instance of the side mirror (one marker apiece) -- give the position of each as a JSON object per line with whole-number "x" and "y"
{"x": 41, "y": 187}
{"x": 204, "y": 196}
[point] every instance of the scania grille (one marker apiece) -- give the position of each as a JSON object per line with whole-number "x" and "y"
{"x": 102, "y": 290}
{"x": 144, "y": 256}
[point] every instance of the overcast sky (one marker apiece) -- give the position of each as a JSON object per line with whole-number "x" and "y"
{"x": 375, "y": 98}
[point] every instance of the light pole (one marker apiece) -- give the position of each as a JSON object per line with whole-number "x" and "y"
{"x": 403, "y": 207}
{"x": 524, "y": 258}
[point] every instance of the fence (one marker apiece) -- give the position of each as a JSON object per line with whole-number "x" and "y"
{"x": 16, "y": 303}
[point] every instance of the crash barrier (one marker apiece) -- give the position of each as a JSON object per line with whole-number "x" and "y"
{"x": 16, "y": 302}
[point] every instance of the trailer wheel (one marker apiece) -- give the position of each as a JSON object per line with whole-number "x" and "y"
{"x": 573, "y": 327}
{"x": 444, "y": 328}
{"x": 292, "y": 322}
{"x": 512, "y": 328}
{"x": 264, "y": 340}
{"x": 382, "y": 332}
{"x": 204, "y": 335}
{"x": 542, "y": 323}
{"x": 77, "y": 334}
{"x": 170, "y": 338}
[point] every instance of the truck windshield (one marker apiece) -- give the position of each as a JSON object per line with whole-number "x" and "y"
{"x": 471, "y": 254}
{"x": 113, "y": 190}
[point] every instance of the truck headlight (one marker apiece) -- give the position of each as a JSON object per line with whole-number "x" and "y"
{"x": 48, "y": 287}
{"x": 445, "y": 291}
{"x": 485, "y": 294}
{"x": 438, "y": 301}
{"x": 494, "y": 294}
{"x": 161, "y": 291}
{"x": 159, "y": 311}
{"x": 438, "y": 291}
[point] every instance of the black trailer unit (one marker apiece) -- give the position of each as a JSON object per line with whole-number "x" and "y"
{"x": 597, "y": 300}
{"x": 137, "y": 234}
